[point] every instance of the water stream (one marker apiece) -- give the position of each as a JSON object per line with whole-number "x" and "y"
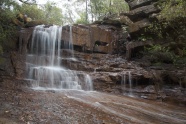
{"x": 44, "y": 66}
{"x": 127, "y": 80}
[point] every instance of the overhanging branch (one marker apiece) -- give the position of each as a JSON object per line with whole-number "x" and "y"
{"x": 30, "y": 2}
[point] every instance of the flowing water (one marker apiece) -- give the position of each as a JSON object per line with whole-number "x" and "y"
{"x": 44, "y": 66}
{"x": 125, "y": 81}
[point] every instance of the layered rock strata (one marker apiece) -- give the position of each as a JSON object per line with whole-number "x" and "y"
{"x": 139, "y": 14}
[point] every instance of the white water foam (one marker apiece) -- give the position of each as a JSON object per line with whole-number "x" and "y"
{"x": 44, "y": 66}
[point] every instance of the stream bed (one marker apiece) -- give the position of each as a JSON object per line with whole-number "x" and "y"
{"x": 23, "y": 105}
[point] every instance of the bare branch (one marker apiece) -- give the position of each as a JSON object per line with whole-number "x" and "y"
{"x": 30, "y": 2}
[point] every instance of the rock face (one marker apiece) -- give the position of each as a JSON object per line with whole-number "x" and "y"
{"x": 111, "y": 73}
{"x": 92, "y": 38}
{"x": 140, "y": 13}
{"x": 139, "y": 3}
{"x": 25, "y": 36}
{"x": 114, "y": 74}
{"x": 19, "y": 65}
{"x": 133, "y": 48}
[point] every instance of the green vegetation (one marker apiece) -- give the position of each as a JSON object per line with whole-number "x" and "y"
{"x": 7, "y": 29}
{"x": 171, "y": 22}
{"x": 171, "y": 28}
{"x": 159, "y": 54}
{"x": 14, "y": 15}
{"x": 98, "y": 9}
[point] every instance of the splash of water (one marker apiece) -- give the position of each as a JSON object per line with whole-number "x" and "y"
{"x": 44, "y": 66}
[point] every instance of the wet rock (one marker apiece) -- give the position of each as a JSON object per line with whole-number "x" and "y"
{"x": 102, "y": 77}
{"x": 183, "y": 84}
{"x": 7, "y": 121}
{"x": 115, "y": 65}
{"x": 114, "y": 77}
{"x": 18, "y": 62}
{"x": 150, "y": 89}
{"x": 149, "y": 96}
{"x": 105, "y": 69}
{"x": 125, "y": 66}
{"x": 24, "y": 38}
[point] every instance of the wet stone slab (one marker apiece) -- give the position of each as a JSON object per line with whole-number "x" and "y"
{"x": 25, "y": 105}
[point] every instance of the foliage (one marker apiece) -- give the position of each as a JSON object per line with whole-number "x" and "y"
{"x": 82, "y": 19}
{"x": 170, "y": 26}
{"x": 47, "y": 12}
{"x": 172, "y": 9}
{"x": 104, "y": 8}
{"x": 32, "y": 11}
{"x": 10, "y": 8}
{"x": 98, "y": 9}
{"x": 7, "y": 29}
{"x": 144, "y": 38}
{"x": 156, "y": 48}
{"x": 52, "y": 14}
{"x": 159, "y": 54}
{"x": 171, "y": 22}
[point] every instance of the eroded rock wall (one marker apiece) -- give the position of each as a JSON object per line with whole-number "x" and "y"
{"x": 140, "y": 15}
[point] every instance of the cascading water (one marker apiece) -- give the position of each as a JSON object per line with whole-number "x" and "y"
{"x": 44, "y": 62}
{"x": 124, "y": 81}
{"x": 130, "y": 82}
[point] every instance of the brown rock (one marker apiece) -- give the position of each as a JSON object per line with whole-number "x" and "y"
{"x": 141, "y": 12}
{"x": 86, "y": 36}
{"x": 125, "y": 20}
{"x": 18, "y": 62}
{"x": 137, "y": 27}
{"x": 139, "y": 3}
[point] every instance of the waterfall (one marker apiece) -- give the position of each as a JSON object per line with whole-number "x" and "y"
{"x": 124, "y": 81}
{"x": 130, "y": 83}
{"x": 44, "y": 66}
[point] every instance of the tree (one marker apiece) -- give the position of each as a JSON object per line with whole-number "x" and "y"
{"x": 97, "y": 9}
{"x": 68, "y": 14}
{"x": 82, "y": 19}
{"x": 10, "y": 8}
{"x": 52, "y": 14}
{"x": 30, "y": 2}
{"x": 7, "y": 29}
{"x": 48, "y": 13}
{"x": 32, "y": 11}
{"x": 172, "y": 9}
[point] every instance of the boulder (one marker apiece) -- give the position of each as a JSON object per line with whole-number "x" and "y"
{"x": 125, "y": 20}
{"x": 139, "y": 3}
{"x": 141, "y": 12}
{"x": 137, "y": 27}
